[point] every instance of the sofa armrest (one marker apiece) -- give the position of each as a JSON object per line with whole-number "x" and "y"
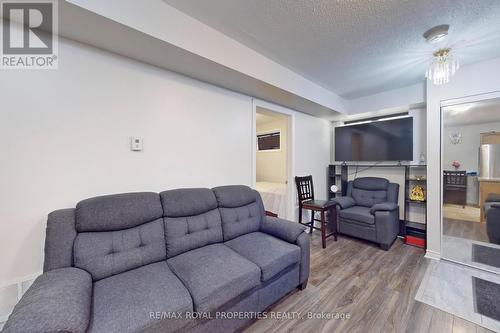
{"x": 286, "y": 230}
{"x": 57, "y": 301}
{"x": 294, "y": 233}
{"x": 344, "y": 202}
{"x": 384, "y": 206}
{"x": 303, "y": 241}
{"x": 492, "y": 212}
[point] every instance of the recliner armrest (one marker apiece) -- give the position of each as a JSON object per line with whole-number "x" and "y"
{"x": 385, "y": 206}
{"x": 57, "y": 301}
{"x": 286, "y": 230}
{"x": 344, "y": 202}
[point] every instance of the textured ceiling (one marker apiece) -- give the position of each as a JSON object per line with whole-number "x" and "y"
{"x": 354, "y": 47}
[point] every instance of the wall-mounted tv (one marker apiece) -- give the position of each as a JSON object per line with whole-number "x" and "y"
{"x": 381, "y": 140}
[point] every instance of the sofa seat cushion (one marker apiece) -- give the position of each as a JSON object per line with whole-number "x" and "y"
{"x": 125, "y": 302}
{"x": 359, "y": 214}
{"x": 214, "y": 275}
{"x": 271, "y": 254}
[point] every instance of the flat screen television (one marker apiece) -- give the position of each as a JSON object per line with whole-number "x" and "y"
{"x": 382, "y": 140}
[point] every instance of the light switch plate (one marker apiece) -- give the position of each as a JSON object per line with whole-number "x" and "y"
{"x": 136, "y": 144}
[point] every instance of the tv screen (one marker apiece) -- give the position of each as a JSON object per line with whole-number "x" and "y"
{"x": 386, "y": 140}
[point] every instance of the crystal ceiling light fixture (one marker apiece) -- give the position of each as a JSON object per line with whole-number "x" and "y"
{"x": 444, "y": 64}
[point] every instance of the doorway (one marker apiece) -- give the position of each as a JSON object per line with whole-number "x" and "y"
{"x": 272, "y": 159}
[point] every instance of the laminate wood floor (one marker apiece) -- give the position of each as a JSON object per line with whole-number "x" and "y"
{"x": 465, "y": 229}
{"x": 457, "y": 212}
{"x": 377, "y": 288}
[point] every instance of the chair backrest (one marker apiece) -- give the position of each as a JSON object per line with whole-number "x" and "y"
{"x": 454, "y": 178}
{"x": 240, "y": 208}
{"x": 305, "y": 188}
{"x": 367, "y": 191}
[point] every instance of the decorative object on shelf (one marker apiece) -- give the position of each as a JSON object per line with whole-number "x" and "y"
{"x": 456, "y": 138}
{"x": 417, "y": 193}
{"x": 456, "y": 165}
{"x": 420, "y": 178}
{"x": 444, "y": 63}
{"x": 334, "y": 188}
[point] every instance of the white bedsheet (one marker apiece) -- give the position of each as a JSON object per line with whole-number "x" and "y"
{"x": 273, "y": 196}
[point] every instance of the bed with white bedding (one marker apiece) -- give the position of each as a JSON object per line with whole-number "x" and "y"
{"x": 273, "y": 196}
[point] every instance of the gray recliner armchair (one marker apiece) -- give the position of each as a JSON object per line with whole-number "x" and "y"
{"x": 370, "y": 210}
{"x": 492, "y": 213}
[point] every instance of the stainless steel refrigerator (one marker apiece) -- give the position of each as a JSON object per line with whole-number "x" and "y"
{"x": 489, "y": 162}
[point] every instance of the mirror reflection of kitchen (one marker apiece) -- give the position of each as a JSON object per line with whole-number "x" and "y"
{"x": 471, "y": 183}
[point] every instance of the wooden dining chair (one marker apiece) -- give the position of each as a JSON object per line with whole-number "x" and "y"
{"x": 455, "y": 187}
{"x": 305, "y": 192}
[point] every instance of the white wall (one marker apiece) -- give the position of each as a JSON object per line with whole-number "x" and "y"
{"x": 480, "y": 78}
{"x": 162, "y": 21}
{"x": 466, "y": 152}
{"x": 312, "y": 152}
{"x": 66, "y": 137}
{"x": 271, "y": 165}
{"x": 397, "y": 100}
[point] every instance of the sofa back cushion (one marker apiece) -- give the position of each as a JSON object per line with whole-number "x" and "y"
{"x": 368, "y": 191}
{"x": 117, "y": 211}
{"x": 117, "y": 233}
{"x": 191, "y": 219}
{"x": 241, "y": 210}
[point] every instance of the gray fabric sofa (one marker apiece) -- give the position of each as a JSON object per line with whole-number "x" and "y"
{"x": 181, "y": 260}
{"x": 492, "y": 213}
{"x": 370, "y": 210}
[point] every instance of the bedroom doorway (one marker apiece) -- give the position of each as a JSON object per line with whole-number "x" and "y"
{"x": 272, "y": 169}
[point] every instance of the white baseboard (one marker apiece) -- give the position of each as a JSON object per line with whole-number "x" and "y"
{"x": 432, "y": 255}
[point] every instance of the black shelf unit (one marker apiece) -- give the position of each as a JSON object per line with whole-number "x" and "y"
{"x": 338, "y": 175}
{"x": 414, "y": 174}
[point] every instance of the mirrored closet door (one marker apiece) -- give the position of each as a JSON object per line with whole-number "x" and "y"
{"x": 471, "y": 183}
